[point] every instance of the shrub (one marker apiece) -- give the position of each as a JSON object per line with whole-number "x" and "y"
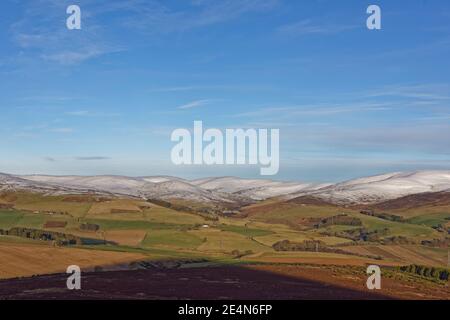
{"x": 427, "y": 272}
{"x": 89, "y": 227}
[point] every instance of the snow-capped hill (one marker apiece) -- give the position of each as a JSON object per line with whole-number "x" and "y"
{"x": 159, "y": 179}
{"x": 253, "y": 188}
{"x": 181, "y": 190}
{"x": 15, "y": 183}
{"x": 366, "y": 190}
{"x": 370, "y": 179}
{"x": 385, "y": 187}
{"x": 230, "y": 184}
{"x": 9, "y": 182}
{"x": 157, "y": 187}
{"x": 282, "y": 189}
{"x": 111, "y": 184}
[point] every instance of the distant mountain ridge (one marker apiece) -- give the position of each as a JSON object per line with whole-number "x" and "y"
{"x": 385, "y": 187}
{"x": 367, "y": 190}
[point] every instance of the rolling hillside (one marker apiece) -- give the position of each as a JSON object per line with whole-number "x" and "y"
{"x": 368, "y": 190}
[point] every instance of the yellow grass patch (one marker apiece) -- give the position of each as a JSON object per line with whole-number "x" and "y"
{"x": 117, "y": 206}
{"x": 20, "y": 260}
{"x": 125, "y": 237}
{"x": 215, "y": 240}
{"x": 406, "y": 254}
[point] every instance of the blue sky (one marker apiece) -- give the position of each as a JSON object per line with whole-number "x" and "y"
{"x": 103, "y": 100}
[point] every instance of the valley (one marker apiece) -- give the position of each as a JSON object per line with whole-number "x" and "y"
{"x": 115, "y": 224}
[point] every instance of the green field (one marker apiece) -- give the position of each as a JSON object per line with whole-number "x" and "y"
{"x": 171, "y": 239}
{"x": 245, "y": 231}
{"x": 9, "y": 219}
{"x": 431, "y": 220}
{"x": 107, "y": 224}
{"x": 408, "y": 230}
{"x": 140, "y": 227}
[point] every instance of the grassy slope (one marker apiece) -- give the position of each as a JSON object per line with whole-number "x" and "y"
{"x": 290, "y": 214}
{"x": 164, "y": 233}
{"x": 408, "y": 230}
{"x": 433, "y": 219}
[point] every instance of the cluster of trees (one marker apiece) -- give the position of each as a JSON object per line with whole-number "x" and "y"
{"x": 442, "y": 228}
{"x": 55, "y": 224}
{"x": 360, "y": 234}
{"x": 314, "y": 246}
{"x": 189, "y": 227}
{"x": 397, "y": 240}
{"x": 86, "y": 198}
{"x": 239, "y": 254}
{"x": 89, "y": 227}
{"x": 50, "y": 212}
{"x": 438, "y": 243}
{"x": 165, "y": 264}
{"x": 446, "y": 228}
{"x": 382, "y": 215}
{"x": 61, "y": 239}
{"x": 428, "y": 272}
{"x": 341, "y": 219}
{"x": 307, "y": 245}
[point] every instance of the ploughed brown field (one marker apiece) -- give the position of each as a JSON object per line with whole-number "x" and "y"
{"x": 265, "y": 282}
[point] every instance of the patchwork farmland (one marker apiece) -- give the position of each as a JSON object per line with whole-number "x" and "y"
{"x": 42, "y": 234}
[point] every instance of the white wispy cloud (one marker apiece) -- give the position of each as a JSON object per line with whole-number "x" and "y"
{"x": 307, "y": 27}
{"x": 41, "y": 27}
{"x": 315, "y": 110}
{"x": 174, "y": 89}
{"x": 80, "y": 113}
{"x": 47, "y": 98}
{"x": 76, "y": 57}
{"x": 41, "y": 32}
{"x": 433, "y": 99}
{"x": 92, "y": 158}
{"x": 158, "y": 16}
{"x": 407, "y": 137}
{"x": 194, "y": 104}
{"x": 190, "y": 88}
{"x": 227, "y": 87}
{"x": 428, "y": 92}
{"x": 86, "y": 113}
{"x": 61, "y": 130}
